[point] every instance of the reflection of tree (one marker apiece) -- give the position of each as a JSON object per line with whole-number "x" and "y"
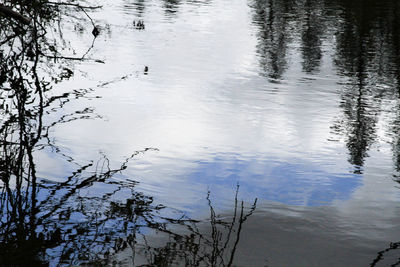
{"x": 367, "y": 54}
{"x": 272, "y": 20}
{"x": 60, "y": 222}
{"x": 29, "y": 206}
{"x": 66, "y": 223}
{"x": 171, "y": 6}
{"x": 138, "y": 5}
{"x": 367, "y": 40}
{"x": 394, "y": 31}
{"x": 381, "y": 254}
{"x": 395, "y": 71}
{"x": 80, "y": 219}
{"x": 216, "y": 248}
{"x": 359, "y": 56}
{"x": 395, "y": 129}
{"x": 359, "y": 122}
{"x": 276, "y": 31}
{"x": 311, "y": 36}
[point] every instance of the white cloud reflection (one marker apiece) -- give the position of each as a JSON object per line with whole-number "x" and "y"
{"x": 215, "y": 121}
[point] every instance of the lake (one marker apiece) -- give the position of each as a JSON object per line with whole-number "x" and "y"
{"x": 200, "y": 133}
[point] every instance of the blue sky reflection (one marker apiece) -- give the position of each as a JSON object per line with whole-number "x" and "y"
{"x": 294, "y": 183}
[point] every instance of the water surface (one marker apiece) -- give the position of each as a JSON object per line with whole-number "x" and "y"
{"x": 292, "y": 103}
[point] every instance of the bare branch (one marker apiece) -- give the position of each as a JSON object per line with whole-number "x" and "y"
{"x": 74, "y": 58}
{"x": 75, "y": 5}
{"x": 13, "y": 14}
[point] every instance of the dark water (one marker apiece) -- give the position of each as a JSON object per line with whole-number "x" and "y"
{"x": 222, "y": 133}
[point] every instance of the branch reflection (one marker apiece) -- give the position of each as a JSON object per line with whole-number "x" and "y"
{"x": 92, "y": 216}
{"x": 212, "y": 245}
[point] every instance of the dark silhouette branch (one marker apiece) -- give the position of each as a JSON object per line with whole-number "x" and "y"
{"x": 74, "y": 5}
{"x": 7, "y": 11}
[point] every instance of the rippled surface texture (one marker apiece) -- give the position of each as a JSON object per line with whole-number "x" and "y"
{"x": 220, "y": 133}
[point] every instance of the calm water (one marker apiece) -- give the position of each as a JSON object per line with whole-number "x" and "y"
{"x": 264, "y": 133}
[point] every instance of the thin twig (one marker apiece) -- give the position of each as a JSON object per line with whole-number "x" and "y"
{"x": 75, "y": 5}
